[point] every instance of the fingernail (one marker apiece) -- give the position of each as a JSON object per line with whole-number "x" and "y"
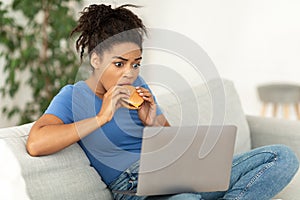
{"x": 139, "y": 90}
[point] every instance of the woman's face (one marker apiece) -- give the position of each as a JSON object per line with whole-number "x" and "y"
{"x": 119, "y": 66}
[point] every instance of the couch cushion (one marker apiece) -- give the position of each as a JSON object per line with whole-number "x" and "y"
{"x": 63, "y": 175}
{"x": 12, "y": 184}
{"x": 291, "y": 192}
{"x": 195, "y": 106}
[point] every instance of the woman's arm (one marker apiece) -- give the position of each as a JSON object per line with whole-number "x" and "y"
{"x": 160, "y": 120}
{"x": 147, "y": 112}
{"x": 49, "y": 134}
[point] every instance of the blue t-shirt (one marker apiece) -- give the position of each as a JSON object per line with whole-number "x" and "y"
{"x": 116, "y": 145}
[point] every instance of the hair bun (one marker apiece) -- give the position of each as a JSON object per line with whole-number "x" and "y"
{"x": 94, "y": 15}
{"x": 100, "y": 22}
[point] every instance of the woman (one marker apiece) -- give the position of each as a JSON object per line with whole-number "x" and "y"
{"x": 91, "y": 112}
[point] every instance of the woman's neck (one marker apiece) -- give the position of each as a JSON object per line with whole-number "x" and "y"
{"x": 96, "y": 86}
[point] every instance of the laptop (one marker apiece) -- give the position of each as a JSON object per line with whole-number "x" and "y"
{"x": 185, "y": 159}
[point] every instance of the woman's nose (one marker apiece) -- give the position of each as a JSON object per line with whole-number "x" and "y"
{"x": 128, "y": 71}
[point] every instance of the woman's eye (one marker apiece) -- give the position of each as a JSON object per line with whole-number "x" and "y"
{"x": 118, "y": 64}
{"x": 136, "y": 65}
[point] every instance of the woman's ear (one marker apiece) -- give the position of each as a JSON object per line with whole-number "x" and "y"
{"x": 95, "y": 61}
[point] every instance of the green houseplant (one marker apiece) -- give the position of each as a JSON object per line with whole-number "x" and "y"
{"x": 35, "y": 41}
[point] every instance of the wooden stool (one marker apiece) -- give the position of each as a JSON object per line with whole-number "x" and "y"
{"x": 280, "y": 95}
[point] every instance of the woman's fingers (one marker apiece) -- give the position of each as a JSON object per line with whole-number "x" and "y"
{"x": 146, "y": 94}
{"x": 120, "y": 92}
{"x": 114, "y": 96}
{"x": 118, "y": 95}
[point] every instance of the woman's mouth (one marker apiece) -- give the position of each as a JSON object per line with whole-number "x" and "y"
{"x": 127, "y": 83}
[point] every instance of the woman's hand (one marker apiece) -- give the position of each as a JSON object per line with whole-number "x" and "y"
{"x": 111, "y": 102}
{"x": 147, "y": 112}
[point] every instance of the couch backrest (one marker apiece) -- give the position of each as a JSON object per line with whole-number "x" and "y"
{"x": 63, "y": 175}
{"x": 184, "y": 108}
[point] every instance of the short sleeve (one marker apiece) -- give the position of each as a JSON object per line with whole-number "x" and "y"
{"x": 141, "y": 82}
{"x": 61, "y": 105}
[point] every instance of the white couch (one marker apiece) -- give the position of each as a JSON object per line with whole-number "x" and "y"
{"x": 68, "y": 174}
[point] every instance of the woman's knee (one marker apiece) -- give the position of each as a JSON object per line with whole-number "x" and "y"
{"x": 287, "y": 157}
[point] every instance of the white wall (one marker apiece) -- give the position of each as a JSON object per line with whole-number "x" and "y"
{"x": 250, "y": 41}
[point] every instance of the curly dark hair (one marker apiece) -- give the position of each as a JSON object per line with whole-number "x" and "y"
{"x": 103, "y": 24}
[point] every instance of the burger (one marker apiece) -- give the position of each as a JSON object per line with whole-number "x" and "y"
{"x": 134, "y": 101}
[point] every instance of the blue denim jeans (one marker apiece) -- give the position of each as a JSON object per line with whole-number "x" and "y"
{"x": 256, "y": 175}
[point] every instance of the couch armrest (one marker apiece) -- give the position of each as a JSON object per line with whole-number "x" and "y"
{"x": 265, "y": 131}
